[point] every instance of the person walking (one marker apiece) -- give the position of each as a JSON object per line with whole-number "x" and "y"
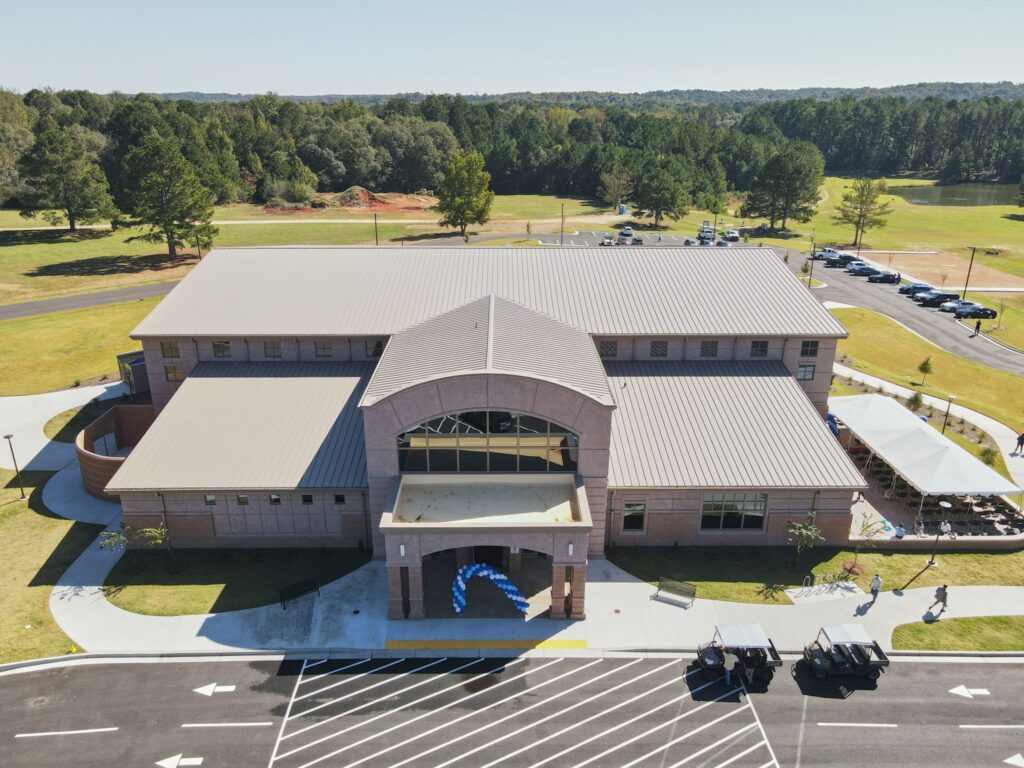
{"x": 731, "y": 662}
{"x": 1020, "y": 443}
{"x": 977, "y": 327}
{"x": 876, "y": 587}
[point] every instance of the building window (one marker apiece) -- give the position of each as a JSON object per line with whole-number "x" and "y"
{"x": 275, "y": 498}
{"x": 374, "y": 348}
{"x": 169, "y": 349}
{"x": 222, "y": 349}
{"x": 733, "y": 511}
{"x": 271, "y": 348}
{"x": 323, "y": 349}
{"x": 339, "y": 498}
{"x": 809, "y": 348}
{"x": 805, "y": 372}
{"x": 709, "y": 349}
{"x": 759, "y": 348}
{"x": 307, "y": 498}
{"x": 659, "y": 348}
{"x": 173, "y": 373}
{"x": 608, "y": 348}
{"x": 633, "y": 514}
{"x": 209, "y": 500}
{"x": 243, "y": 500}
{"x": 488, "y": 441}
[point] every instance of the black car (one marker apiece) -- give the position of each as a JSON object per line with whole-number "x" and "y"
{"x": 865, "y": 271}
{"x": 935, "y": 298}
{"x": 839, "y": 261}
{"x": 884, "y": 277}
{"x": 975, "y": 313}
{"x": 912, "y": 289}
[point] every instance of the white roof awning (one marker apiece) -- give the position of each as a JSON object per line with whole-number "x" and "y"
{"x": 927, "y": 460}
{"x": 743, "y": 636}
{"x": 849, "y": 634}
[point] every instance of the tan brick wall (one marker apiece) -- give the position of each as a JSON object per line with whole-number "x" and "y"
{"x": 127, "y": 424}
{"x": 818, "y": 387}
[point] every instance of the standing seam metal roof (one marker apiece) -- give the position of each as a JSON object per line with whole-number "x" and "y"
{"x": 720, "y": 425}
{"x": 379, "y": 291}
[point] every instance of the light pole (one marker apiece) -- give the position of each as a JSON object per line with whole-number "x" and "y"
{"x": 970, "y": 266}
{"x": 17, "y": 472}
{"x": 376, "y": 238}
{"x": 945, "y": 419}
{"x": 561, "y": 227}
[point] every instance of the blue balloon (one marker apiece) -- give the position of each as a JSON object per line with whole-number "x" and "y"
{"x": 467, "y": 572}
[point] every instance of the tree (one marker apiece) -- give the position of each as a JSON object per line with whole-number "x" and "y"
{"x": 118, "y": 540}
{"x": 157, "y": 537}
{"x": 464, "y": 195}
{"x": 925, "y": 368}
{"x": 1020, "y": 194}
{"x": 787, "y": 186}
{"x": 804, "y": 535}
{"x": 616, "y": 186}
{"x": 61, "y": 177}
{"x": 660, "y": 189}
{"x": 15, "y": 138}
{"x": 861, "y": 208}
{"x": 164, "y": 195}
{"x": 868, "y": 534}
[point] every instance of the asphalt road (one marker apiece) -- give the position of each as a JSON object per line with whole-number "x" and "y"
{"x": 486, "y": 712}
{"x": 84, "y": 300}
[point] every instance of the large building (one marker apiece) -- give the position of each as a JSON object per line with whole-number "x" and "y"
{"x": 527, "y": 407}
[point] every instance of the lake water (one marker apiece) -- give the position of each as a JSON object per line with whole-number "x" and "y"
{"x": 959, "y": 194}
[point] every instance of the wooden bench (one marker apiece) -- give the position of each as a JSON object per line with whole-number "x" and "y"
{"x": 297, "y": 590}
{"x": 675, "y": 588}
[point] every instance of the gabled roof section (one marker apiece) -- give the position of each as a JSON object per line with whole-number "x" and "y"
{"x": 490, "y": 335}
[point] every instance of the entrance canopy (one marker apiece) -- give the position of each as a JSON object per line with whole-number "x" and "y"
{"x": 928, "y": 461}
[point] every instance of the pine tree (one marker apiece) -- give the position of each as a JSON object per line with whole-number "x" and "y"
{"x": 861, "y": 208}
{"x": 464, "y": 196}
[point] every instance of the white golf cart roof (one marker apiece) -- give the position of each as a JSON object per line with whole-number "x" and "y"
{"x": 743, "y": 636}
{"x": 847, "y": 634}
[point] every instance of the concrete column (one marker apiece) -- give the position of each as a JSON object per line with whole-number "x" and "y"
{"x": 463, "y": 556}
{"x": 577, "y": 592}
{"x": 558, "y": 592}
{"x": 395, "y": 610}
{"x": 515, "y": 563}
{"x": 416, "y": 607}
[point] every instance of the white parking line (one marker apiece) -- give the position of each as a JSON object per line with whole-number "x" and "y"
{"x": 261, "y": 724}
{"x": 688, "y": 734}
{"x": 770, "y": 763}
{"x": 982, "y": 727}
{"x": 64, "y": 733}
{"x": 858, "y": 725}
{"x": 351, "y": 679}
{"x": 316, "y": 663}
{"x": 718, "y": 743}
{"x": 287, "y": 711}
{"x": 385, "y": 681}
{"x": 760, "y": 727}
{"x": 744, "y": 753}
{"x": 335, "y": 671}
{"x": 572, "y": 242}
{"x": 391, "y": 712}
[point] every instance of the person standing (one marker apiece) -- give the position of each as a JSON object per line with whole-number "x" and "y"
{"x": 977, "y": 327}
{"x": 1020, "y": 443}
{"x": 876, "y": 587}
{"x": 731, "y": 662}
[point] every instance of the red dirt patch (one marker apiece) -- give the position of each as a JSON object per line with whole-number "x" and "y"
{"x": 362, "y": 200}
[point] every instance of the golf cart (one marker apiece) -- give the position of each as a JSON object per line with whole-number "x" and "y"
{"x": 845, "y": 649}
{"x": 749, "y": 642}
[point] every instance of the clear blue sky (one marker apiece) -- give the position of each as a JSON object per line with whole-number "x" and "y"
{"x": 478, "y": 46}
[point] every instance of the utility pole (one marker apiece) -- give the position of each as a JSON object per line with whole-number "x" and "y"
{"x": 945, "y": 419}
{"x": 376, "y": 239}
{"x": 970, "y": 266}
{"x": 17, "y": 472}
{"x": 561, "y": 228}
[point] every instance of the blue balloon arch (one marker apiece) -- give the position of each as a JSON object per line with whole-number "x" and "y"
{"x": 467, "y": 572}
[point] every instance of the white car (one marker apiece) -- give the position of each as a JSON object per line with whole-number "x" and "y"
{"x": 732, "y": 236}
{"x": 706, "y": 234}
{"x": 607, "y": 240}
{"x": 627, "y": 231}
{"x": 956, "y": 304}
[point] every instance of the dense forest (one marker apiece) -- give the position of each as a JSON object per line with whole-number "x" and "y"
{"x": 270, "y": 149}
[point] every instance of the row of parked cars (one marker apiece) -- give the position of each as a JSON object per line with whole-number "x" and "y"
{"x": 922, "y": 293}
{"x": 626, "y": 237}
{"x": 706, "y": 236}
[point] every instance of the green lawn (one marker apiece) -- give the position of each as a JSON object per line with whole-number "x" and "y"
{"x": 47, "y": 352}
{"x": 37, "y": 548}
{"x": 759, "y": 574}
{"x": 216, "y": 580}
{"x": 883, "y": 348}
{"x": 1008, "y": 327}
{"x": 544, "y": 207}
{"x": 988, "y": 633}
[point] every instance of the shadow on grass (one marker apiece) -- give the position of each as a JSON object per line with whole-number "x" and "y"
{"x": 427, "y": 236}
{"x": 1014, "y": 216}
{"x": 113, "y": 265}
{"x": 23, "y": 237}
{"x": 247, "y": 577}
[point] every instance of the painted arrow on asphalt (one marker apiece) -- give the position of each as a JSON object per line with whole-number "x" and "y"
{"x": 1017, "y": 760}
{"x": 212, "y": 688}
{"x": 969, "y": 693}
{"x": 174, "y": 761}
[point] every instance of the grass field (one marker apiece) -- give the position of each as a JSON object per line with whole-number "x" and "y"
{"x": 760, "y": 574}
{"x": 213, "y": 581}
{"x": 883, "y": 348}
{"x": 47, "y": 352}
{"x": 1008, "y": 327}
{"x": 37, "y": 548}
{"x": 988, "y": 633}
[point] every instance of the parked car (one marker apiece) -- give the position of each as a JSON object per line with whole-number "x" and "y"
{"x": 842, "y": 260}
{"x": 934, "y": 298}
{"x": 884, "y": 277}
{"x": 690, "y": 241}
{"x": 607, "y": 240}
{"x": 732, "y": 236}
{"x": 706, "y": 233}
{"x": 627, "y": 231}
{"x": 912, "y": 289}
{"x": 638, "y": 240}
{"x": 954, "y": 304}
{"x": 865, "y": 270}
{"x": 854, "y": 264}
{"x": 821, "y": 254}
{"x": 624, "y": 239}
{"x": 722, "y": 242}
{"x": 977, "y": 312}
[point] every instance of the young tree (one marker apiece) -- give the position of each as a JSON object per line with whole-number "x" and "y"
{"x": 868, "y": 534}
{"x": 62, "y": 180}
{"x": 804, "y": 535}
{"x": 616, "y": 186}
{"x": 464, "y": 195}
{"x": 117, "y": 540}
{"x": 787, "y": 187}
{"x": 164, "y": 194}
{"x": 925, "y": 368}
{"x": 861, "y": 208}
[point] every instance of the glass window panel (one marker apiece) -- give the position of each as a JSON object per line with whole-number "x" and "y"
{"x": 731, "y": 519}
{"x": 533, "y": 454}
{"x": 531, "y": 425}
{"x": 564, "y": 453}
{"x": 633, "y": 521}
{"x": 412, "y": 461}
{"x": 443, "y": 459}
{"x": 809, "y": 349}
{"x": 169, "y": 348}
{"x": 759, "y": 348}
{"x": 753, "y": 520}
{"x": 473, "y": 423}
{"x": 501, "y": 423}
{"x": 473, "y": 460}
{"x": 710, "y": 520}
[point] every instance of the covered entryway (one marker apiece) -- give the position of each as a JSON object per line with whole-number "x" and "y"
{"x": 529, "y": 571}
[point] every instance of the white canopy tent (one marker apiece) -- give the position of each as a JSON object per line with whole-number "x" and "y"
{"x": 931, "y": 463}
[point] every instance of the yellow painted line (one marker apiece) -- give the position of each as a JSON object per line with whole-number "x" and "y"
{"x": 440, "y": 645}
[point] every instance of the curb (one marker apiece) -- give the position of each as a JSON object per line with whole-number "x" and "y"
{"x": 988, "y": 338}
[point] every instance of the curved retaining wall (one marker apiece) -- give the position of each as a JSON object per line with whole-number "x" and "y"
{"x": 128, "y": 423}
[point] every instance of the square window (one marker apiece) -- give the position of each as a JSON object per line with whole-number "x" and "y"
{"x": 173, "y": 373}
{"x": 805, "y": 372}
{"x": 709, "y": 349}
{"x": 323, "y": 349}
{"x": 275, "y": 498}
{"x": 222, "y": 349}
{"x": 307, "y": 498}
{"x": 209, "y": 499}
{"x": 374, "y": 348}
{"x": 271, "y": 348}
{"x": 169, "y": 349}
{"x": 759, "y": 348}
{"x": 608, "y": 348}
{"x": 633, "y": 513}
{"x": 339, "y": 498}
{"x": 809, "y": 348}
{"x": 243, "y": 500}
{"x": 659, "y": 348}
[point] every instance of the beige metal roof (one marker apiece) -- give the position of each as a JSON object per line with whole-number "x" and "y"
{"x": 720, "y": 425}
{"x": 379, "y": 291}
{"x": 255, "y": 426}
{"x": 490, "y": 335}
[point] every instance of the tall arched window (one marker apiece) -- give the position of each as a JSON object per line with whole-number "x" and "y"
{"x": 488, "y": 441}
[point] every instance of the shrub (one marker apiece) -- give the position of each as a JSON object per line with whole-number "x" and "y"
{"x": 988, "y": 455}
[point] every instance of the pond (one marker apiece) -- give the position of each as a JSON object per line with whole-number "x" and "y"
{"x": 959, "y": 194}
